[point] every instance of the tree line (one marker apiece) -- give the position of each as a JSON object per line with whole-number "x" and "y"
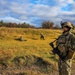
{"x": 15, "y": 25}
{"x": 44, "y": 25}
{"x": 49, "y": 25}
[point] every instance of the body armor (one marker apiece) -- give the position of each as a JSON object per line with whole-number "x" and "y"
{"x": 64, "y": 45}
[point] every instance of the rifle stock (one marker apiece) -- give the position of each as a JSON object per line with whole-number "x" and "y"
{"x": 56, "y": 51}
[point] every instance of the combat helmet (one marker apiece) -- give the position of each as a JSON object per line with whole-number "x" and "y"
{"x": 67, "y": 24}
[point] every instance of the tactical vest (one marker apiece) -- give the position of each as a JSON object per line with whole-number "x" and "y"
{"x": 63, "y": 43}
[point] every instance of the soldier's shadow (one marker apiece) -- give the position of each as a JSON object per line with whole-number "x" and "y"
{"x": 17, "y": 39}
{"x": 35, "y": 38}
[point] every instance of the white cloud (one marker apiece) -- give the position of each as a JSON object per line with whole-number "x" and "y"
{"x": 65, "y": 2}
{"x": 3, "y": 12}
{"x": 67, "y": 13}
{"x": 3, "y": 2}
{"x": 38, "y": 10}
{"x": 11, "y": 19}
{"x": 42, "y": 10}
{"x": 38, "y": 1}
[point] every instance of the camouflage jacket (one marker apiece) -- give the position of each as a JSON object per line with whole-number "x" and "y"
{"x": 66, "y": 41}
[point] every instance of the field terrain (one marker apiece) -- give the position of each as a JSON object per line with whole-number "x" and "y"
{"x": 22, "y": 52}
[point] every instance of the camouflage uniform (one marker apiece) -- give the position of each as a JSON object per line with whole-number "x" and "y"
{"x": 64, "y": 42}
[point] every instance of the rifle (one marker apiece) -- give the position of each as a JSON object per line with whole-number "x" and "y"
{"x": 57, "y": 51}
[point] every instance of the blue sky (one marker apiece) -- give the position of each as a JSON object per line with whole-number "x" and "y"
{"x": 36, "y": 11}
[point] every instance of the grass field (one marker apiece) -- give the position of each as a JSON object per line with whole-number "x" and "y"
{"x": 32, "y": 56}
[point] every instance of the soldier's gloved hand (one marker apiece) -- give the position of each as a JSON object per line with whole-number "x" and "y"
{"x": 51, "y": 44}
{"x": 54, "y": 51}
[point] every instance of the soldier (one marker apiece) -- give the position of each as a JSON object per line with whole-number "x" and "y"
{"x": 21, "y": 38}
{"x": 66, "y": 44}
{"x": 42, "y": 36}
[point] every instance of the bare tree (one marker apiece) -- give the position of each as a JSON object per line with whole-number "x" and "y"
{"x": 47, "y": 25}
{"x": 57, "y": 27}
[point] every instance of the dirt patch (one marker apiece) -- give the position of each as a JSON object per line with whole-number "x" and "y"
{"x": 27, "y": 65}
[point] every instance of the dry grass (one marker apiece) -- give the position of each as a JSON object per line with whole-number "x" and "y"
{"x": 14, "y": 52}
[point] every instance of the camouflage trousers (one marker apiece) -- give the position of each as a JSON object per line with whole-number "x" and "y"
{"x": 64, "y": 67}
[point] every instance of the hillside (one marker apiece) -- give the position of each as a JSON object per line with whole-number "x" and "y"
{"x": 31, "y": 56}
